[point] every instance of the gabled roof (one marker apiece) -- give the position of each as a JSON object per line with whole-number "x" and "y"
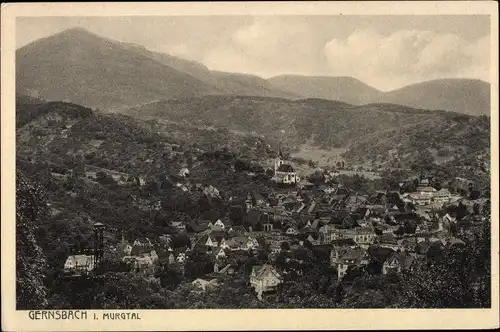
{"x": 140, "y": 249}
{"x": 355, "y": 254}
{"x": 237, "y": 228}
{"x": 143, "y": 241}
{"x": 237, "y": 241}
{"x": 387, "y": 238}
{"x": 82, "y": 260}
{"x": 261, "y": 271}
{"x": 426, "y": 189}
{"x": 285, "y": 168}
{"x": 315, "y": 224}
{"x": 343, "y": 242}
{"x": 403, "y": 259}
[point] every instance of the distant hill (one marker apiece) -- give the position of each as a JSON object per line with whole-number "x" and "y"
{"x": 466, "y": 96}
{"x": 345, "y": 89}
{"x": 78, "y": 66}
{"x": 459, "y": 95}
{"x": 322, "y": 123}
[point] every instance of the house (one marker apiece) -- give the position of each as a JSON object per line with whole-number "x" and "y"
{"x": 179, "y": 225}
{"x": 203, "y": 285}
{"x": 264, "y": 279}
{"x": 229, "y": 269}
{"x": 258, "y": 200}
{"x": 462, "y": 186}
{"x": 171, "y": 258}
{"x": 419, "y": 199}
{"x": 219, "y": 224}
{"x": 397, "y": 262}
{"x": 275, "y": 247}
{"x": 142, "y": 241}
{"x": 184, "y": 172}
{"x": 352, "y": 258}
{"x": 290, "y": 203}
{"x": 387, "y": 240}
{"x": 292, "y": 231}
{"x": 442, "y": 196}
{"x": 364, "y": 236}
{"x": 212, "y": 241}
{"x": 339, "y": 248}
{"x": 353, "y": 202}
{"x": 313, "y": 240}
{"x": 305, "y": 185}
{"x": 449, "y": 219}
{"x": 268, "y": 226}
{"x": 79, "y": 263}
{"x": 124, "y": 249}
{"x": 143, "y": 263}
{"x": 252, "y": 243}
{"x": 165, "y": 240}
{"x": 236, "y": 230}
{"x": 234, "y": 243}
{"x": 140, "y": 249}
{"x": 329, "y": 233}
{"x": 211, "y": 191}
{"x": 221, "y": 254}
{"x": 426, "y": 191}
{"x": 326, "y": 233}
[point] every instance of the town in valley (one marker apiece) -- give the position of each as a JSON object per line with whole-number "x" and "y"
{"x": 146, "y": 181}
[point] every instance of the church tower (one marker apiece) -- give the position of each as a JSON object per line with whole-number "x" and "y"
{"x": 279, "y": 160}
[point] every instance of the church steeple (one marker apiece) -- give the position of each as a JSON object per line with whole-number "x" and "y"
{"x": 279, "y": 161}
{"x": 280, "y": 153}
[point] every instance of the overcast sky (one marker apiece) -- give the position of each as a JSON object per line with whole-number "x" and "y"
{"x": 386, "y": 52}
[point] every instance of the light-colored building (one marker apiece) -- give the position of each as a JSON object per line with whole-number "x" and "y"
{"x": 283, "y": 172}
{"x": 203, "y": 285}
{"x": 353, "y": 258}
{"x": 264, "y": 279}
{"x": 220, "y": 224}
{"x": 79, "y": 263}
{"x": 398, "y": 262}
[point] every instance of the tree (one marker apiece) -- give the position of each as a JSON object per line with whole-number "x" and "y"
{"x": 170, "y": 277}
{"x": 31, "y": 210}
{"x": 284, "y": 245}
{"x": 460, "y": 280}
{"x": 400, "y": 231}
{"x": 199, "y": 264}
{"x": 181, "y": 240}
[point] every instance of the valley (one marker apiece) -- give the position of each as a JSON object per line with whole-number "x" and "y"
{"x": 149, "y": 181}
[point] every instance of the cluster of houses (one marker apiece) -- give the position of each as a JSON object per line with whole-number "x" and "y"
{"x": 356, "y": 229}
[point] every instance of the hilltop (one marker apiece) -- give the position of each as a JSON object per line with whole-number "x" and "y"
{"x": 81, "y": 67}
{"x": 78, "y": 66}
{"x": 466, "y": 96}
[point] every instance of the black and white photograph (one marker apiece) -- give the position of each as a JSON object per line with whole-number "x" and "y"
{"x": 253, "y": 162}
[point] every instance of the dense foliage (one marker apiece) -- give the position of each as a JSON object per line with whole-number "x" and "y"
{"x": 58, "y": 142}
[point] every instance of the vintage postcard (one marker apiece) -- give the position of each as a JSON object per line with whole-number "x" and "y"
{"x": 249, "y": 166}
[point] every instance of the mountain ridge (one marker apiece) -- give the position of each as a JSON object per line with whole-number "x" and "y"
{"x": 63, "y": 67}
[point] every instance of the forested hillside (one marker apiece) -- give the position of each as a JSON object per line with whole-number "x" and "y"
{"x": 377, "y": 134}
